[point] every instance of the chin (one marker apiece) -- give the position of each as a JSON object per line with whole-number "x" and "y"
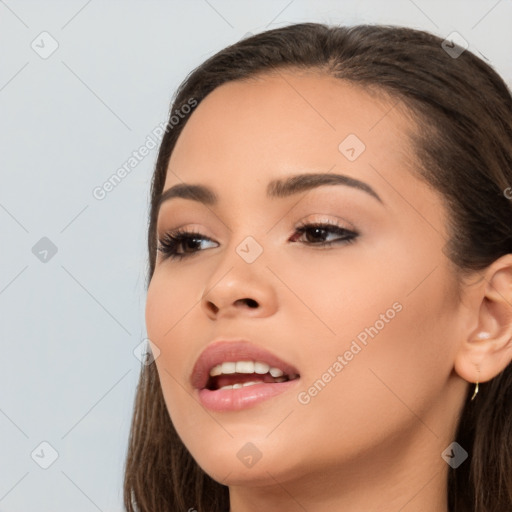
{"x": 256, "y": 462}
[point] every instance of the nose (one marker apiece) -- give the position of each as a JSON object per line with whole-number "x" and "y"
{"x": 237, "y": 288}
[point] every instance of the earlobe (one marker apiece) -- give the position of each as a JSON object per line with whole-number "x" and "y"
{"x": 487, "y": 349}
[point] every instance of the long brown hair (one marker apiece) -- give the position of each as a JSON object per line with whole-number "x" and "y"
{"x": 463, "y": 145}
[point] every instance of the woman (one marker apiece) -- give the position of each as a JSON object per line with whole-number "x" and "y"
{"x": 330, "y": 281}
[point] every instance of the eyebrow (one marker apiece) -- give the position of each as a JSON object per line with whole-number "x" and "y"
{"x": 279, "y": 188}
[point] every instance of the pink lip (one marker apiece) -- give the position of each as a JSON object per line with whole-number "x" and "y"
{"x": 235, "y": 399}
{"x": 224, "y": 400}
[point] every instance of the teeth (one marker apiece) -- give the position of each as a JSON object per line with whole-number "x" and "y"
{"x": 276, "y": 372}
{"x": 216, "y": 370}
{"x": 261, "y": 368}
{"x": 244, "y": 367}
{"x": 258, "y": 367}
{"x": 245, "y": 384}
{"x": 228, "y": 368}
{"x": 236, "y": 386}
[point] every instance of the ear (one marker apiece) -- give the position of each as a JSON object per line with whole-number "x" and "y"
{"x": 486, "y": 348}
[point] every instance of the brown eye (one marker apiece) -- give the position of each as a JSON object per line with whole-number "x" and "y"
{"x": 316, "y": 234}
{"x": 189, "y": 241}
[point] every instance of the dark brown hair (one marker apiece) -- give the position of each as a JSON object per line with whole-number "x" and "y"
{"x": 463, "y": 146}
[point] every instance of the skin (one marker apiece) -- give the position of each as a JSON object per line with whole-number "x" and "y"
{"x": 372, "y": 438}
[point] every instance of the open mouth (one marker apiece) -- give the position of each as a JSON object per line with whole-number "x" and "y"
{"x": 231, "y": 376}
{"x": 238, "y": 374}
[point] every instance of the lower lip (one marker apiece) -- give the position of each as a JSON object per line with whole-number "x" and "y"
{"x": 224, "y": 400}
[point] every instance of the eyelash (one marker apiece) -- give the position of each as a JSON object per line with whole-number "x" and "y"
{"x": 171, "y": 240}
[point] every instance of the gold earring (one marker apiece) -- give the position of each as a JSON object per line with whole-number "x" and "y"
{"x": 476, "y": 391}
{"x": 476, "y": 387}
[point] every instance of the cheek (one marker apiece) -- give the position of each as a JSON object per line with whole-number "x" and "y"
{"x": 167, "y": 307}
{"x": 393, "y": 326}
{"x": 169, "y": 302}
{"x": 396, "y": 353}
{"x": 169, "y": 299}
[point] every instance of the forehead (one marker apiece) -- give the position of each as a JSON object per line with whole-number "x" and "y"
{"x": 290, "y": 120}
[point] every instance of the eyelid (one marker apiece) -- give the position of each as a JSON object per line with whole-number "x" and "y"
{"x": 326, "y": 219}
{"x": 193, "y": 227}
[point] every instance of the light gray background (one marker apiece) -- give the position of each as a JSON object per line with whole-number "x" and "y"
{"x": 69, "y": 325}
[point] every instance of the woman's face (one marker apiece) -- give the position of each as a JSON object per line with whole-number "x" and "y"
{"x": 369, "y": 322}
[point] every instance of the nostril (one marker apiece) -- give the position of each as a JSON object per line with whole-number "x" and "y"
{"x": 213, "y": 307}
{"x": 251, "y": 303}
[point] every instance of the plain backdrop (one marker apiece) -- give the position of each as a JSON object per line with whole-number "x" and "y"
{"x": 82, "y": 85}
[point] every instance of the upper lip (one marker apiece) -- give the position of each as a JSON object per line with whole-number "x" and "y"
{"x": 222, "y": 351}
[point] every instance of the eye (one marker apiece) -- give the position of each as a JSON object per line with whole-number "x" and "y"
{"x": 318, "y": 232}
{"x": 180, "y": 239}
